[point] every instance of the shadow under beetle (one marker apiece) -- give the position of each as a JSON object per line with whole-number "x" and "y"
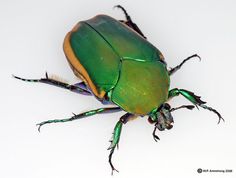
{"x": 119, "y": 66}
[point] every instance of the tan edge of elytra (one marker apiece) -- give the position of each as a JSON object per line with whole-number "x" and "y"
{"x": 77, "y": 67}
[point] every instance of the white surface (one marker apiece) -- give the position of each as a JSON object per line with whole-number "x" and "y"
{"x": 31, "y": 37}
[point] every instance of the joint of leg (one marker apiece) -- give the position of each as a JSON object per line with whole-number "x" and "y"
{"x": 174, "y": 92}
{"x": 125, "y": 118}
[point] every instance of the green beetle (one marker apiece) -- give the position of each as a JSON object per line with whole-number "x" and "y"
{"x": 119, "y": 66}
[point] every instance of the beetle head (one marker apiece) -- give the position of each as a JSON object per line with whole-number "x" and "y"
{"x": 162, "y": 117}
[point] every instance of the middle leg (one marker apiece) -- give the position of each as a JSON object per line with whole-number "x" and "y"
{"x": 173, "y": 70}
{"x": 81, "y": 115}
{"x": 116, "y": 137}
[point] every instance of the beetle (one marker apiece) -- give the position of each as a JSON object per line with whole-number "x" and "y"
{"x": 119, "y": 66}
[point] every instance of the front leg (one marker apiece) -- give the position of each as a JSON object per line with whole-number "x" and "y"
{"x": 116, "y": 137}
{"x": 194, "y": 99}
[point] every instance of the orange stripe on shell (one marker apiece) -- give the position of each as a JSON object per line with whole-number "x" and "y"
{"x": 77, "y": 67}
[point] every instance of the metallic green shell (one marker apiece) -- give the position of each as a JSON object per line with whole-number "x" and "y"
{"x": 142, "y": 86}
{"x": 119, "y": 60}
{"x": 96, "y": 56}
{"x": 123, "y": 40}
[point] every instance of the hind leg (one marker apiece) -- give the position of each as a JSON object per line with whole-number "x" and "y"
{"x": 129, "y": 22}
{"x": 77, "y": 88}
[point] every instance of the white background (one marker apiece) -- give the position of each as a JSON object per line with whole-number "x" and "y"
{"x": 31, "y": 37}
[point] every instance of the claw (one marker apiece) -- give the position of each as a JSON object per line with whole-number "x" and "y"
{"x": 112, "y": 148}
{"x": 39, "y": 126}
{"x": 195, "y": 55}
{"x": 118, "y": 6}
{"x": 221, "y": 118}
{"x": 213, "y": 110}
{"x": 125, "y": 12}
{"x": 114, "y": 169}
{"x": 110, "y": 162}
{"x": 156, "y": 138}
{"x": 43, "y": 123}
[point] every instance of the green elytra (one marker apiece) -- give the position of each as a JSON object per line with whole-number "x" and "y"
{"x": 119, "y": 66}
{"x": 119, "y": 56}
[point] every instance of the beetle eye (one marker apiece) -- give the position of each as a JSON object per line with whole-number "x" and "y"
{"x": 150, "y": 120}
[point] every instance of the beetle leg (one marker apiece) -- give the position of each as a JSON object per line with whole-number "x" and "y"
{"x": 116, "y": 137}
{"x": 82, "y": 85}
{"x": 173, "y": 70}
{"x": 194, "y": 99}
{"x": 81, "y": 115}
{"x": 75, "y": 88}
{"x": 155, "y": 137}
{"x": 129, "y": 22}
{"x": 190, "y": 107}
